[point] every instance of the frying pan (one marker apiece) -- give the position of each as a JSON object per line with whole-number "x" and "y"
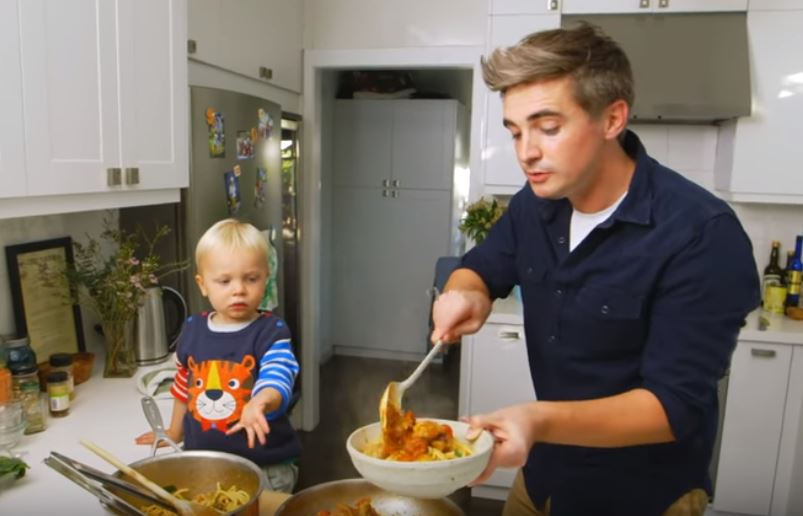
{"x": 325, "y": 497}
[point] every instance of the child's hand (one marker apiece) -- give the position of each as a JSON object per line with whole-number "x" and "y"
{"x": 148, "y": 437}
{"x": 253, "y": 421}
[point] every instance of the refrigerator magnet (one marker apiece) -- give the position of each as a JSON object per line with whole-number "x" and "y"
{"x": 231, "y": 181}
{"x": 265, "y": 125}
{"x": 217, "y": 137}
{"x": 259, "y": 187}
{"x": 245, "y": 145}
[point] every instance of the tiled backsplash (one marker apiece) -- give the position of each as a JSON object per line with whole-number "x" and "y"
{"x": 690, "y": 150}
{"x": 31, "y": 229}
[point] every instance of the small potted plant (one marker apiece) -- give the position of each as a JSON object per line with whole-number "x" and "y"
{"x": 109, "y": 277}
{"x": 480, "y": 217}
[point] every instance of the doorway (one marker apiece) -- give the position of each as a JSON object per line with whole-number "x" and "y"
{"x": 320, "y": 87}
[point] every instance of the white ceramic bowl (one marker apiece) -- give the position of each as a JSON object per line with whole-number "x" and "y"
{"x": 431, "y": 479}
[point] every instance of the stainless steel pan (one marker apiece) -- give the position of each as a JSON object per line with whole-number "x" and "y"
{"x": 325, "y": 497}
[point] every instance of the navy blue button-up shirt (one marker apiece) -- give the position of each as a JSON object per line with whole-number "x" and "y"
{"x": 652, "y": 298}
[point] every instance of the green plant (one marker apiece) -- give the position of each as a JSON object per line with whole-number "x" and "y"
{"x": 480, "y": 217}
{"x": 111, "y": 279}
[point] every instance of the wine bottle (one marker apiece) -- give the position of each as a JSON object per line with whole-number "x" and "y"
{"x": 794, "y": 275}
{"x": 773, "y": 274}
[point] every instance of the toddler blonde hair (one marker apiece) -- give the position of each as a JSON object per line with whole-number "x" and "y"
{"x": 231, "y": 234}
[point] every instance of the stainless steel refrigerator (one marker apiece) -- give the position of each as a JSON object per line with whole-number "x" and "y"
{"x": 235, "y": 151}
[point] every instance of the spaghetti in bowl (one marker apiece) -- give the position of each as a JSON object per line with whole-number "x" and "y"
{"x": 418, "y": 478}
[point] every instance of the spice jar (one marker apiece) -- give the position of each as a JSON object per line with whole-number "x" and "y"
{"x": 63, "y": 362}
{"x": 58, "y": 392}
{"x": 6, "y": 391}
{"x": 25, "y": 385}
{"x": 19, "y": 353}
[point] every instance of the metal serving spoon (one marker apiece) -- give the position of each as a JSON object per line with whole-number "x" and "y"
{"x": 394, "y": 392}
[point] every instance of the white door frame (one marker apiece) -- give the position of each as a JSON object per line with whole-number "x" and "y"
{"x": 316, "y": 62}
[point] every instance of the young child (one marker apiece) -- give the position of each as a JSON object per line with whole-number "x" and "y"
{"x": 236, "y": 366}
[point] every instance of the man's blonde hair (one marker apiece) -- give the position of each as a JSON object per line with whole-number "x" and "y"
{"x": 599, "y": 67}
{"x": 230, "y": 234}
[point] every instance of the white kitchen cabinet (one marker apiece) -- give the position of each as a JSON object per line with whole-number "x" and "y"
{"x": 502, "y": 169}
{"x": 12, "y": 131}
{"x": 525, "y": 6}
{"x": 774, "y": 5}
{"x": 392, "y": 218}
{"x": 395, "y": 143}
{"x": 495, "y": 373}
{"x": 757, "y": 155}
{"x": 104, "y": 98}
{"x": 650, "y": 6}
{"x": 248, "y": 35}
{"x": 761, "y": 455}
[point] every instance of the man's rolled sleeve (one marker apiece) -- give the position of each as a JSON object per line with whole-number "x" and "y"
{"x": 700, "y": 304}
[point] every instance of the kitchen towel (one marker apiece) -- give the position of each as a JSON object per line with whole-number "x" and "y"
{"x": 270, "y": 299}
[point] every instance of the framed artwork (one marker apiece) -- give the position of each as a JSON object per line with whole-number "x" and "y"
{"x": 40, "y": 295}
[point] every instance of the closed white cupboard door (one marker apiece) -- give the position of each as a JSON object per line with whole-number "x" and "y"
{"x": 423, "y": 144}
{"x": 154, "y": 92}
{"x": 12, "y": 130}
{"x": 69, "y": 61}
{"x": 752, "y": 428}
{"x": 362, "y": 140}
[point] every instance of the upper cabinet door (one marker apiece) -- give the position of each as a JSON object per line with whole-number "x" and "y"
{"x": 646, "y": 6}
{"x": 501, "y": 166}
{"x": 362, "y": 143}
{"x": 12, "y": 129}
{"x": 153, "y": 89}
{"x": 423, "y": 144}
{"x": 525, "y": 6}
{"x": 69, "y": 62}
{"x": 247, "y": 35}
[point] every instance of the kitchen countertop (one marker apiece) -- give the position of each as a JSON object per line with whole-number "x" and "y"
{"x": 105, "y": 411}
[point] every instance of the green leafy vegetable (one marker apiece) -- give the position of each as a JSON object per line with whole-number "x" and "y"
{"x": 13, "y": 466}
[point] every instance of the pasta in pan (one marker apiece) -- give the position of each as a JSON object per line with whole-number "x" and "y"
{"x": 363, "y": 508}
{"x": 226, "y": 500}
{"x": 406, "y": 439}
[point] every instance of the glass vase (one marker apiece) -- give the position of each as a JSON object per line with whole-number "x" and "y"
{"x": 120, "y": 355}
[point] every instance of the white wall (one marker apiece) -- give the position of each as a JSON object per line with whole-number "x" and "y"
{"x": 367, "y": 24}
{"x": 32, "y": 229}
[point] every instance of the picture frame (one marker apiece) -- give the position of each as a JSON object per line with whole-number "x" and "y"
{"x": 44, "y": 311}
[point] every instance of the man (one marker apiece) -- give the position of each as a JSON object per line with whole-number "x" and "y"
{"x": 634, "y": 284}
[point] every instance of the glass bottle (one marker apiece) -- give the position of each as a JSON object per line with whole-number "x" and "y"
{"x": 58, "y": 393}
{"x": 790, "y": 255}
{"x": 25, "y": 385}
{"x": 772, "y": 272}
{"x": 63, "y": 362}
{"x": 19, "y": 353}
{"x": 793, "y": 274}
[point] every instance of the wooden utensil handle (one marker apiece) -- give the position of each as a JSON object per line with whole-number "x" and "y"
{"x": 128, "y": 470}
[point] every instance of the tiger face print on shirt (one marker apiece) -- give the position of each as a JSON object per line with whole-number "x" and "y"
{"x": 218, "y": 390}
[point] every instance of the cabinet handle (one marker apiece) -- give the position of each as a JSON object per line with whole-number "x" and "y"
{"x": 663, "y": 3}
{"x": 386, "y": 183}
{"x": 394, "y": 194}
{"x": 762, "y": 353}
{"x": 265, "y": 72}
{"x": 396, "y": 183}
{"x": 192, "y": 46}
{"x": 509, "y": 335}
{"x": 552, "y": 5}
{"x": 113, "y": 176}
{"x": 132, "y": 176}
{"x": 644, "y": 4}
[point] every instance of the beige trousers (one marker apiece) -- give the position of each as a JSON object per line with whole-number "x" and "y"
{"x": 518, "y": 502}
